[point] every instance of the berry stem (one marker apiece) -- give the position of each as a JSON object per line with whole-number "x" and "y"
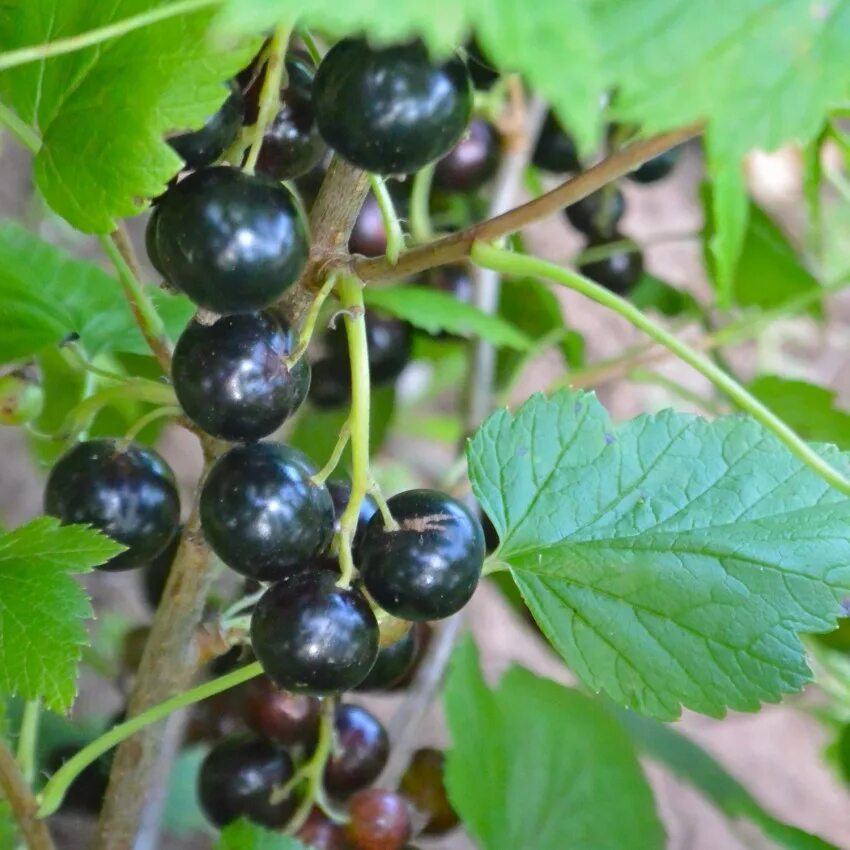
{"x": 54, "y": 791}
{"x": 269, "y": 103}
{"x": 511, "y": 263}
{"x": 309, "y": 326}
{"x": 420, "y": 212}
{"x": 151, "y": 416}
{"x": 375, "y": 492}
{"x": 333, "y": 461}
{"x": 350, "y": 291}
{"x": 15, "y": 790}
{"x": 392, "y": 226}
{"x": 27, "y": 739}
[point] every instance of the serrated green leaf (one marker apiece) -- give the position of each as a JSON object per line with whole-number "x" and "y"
{"x": 672, "y": 561}
{"x": 435, "y": 311}
{"x": 538, "y": 766}
{"x": 103, "y": 112}
{"x": 45, "y": 294}
{"x": 42, "y": 609}
{"x": 242, "y": 835}
{"x": 809, "y": 409}
{"x": 695, "y": 766}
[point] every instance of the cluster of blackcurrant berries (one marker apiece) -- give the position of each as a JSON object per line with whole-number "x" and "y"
{"x": 598, "y": 215}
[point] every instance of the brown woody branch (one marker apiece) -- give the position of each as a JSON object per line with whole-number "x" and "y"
{"x": 17, "y": 792}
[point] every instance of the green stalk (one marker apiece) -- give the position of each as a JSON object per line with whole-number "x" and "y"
{"x": 27, "y": 738}
{"x": 53, "y": 793}
{"x": 420, "y": 212}
{"x": 507, "y": 262}
{"x": 392, "y": 226}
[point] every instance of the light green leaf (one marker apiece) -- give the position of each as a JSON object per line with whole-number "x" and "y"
{"x": 695, "y": 766}
{"x": 434, "y": 311}
{"x": 103, "y": 112}
{"x": 242, "y": 835}
{"x": 809, "y": 409}
{"x": 42, "y": 608}
{"x": 539, "y": 766}
{"x": 652, "y": 293}
{"x": 672, "y": 561}
{"x": 45, "y": 294}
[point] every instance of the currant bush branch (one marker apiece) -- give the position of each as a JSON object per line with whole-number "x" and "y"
{"x": 16, "y": 791}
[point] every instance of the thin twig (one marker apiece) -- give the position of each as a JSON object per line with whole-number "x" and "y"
{"x": 22, "y": 802}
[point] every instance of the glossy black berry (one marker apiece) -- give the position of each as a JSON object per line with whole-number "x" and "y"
{"x": 230, "y": 377}
{"x": 361, "y": 749}
{"x": 284, "y": 718}
{"x": 423, "y": 785}
{"x": 472, "y": 161}
{"x": 598, "y": 215}
{"x": 389, "y": 342}
{"x": 233, "y": 242}
{"x": 330, "y": 385}
{"x": 390, "y": 110}
{"x": 619, "y": 271}
{"x": 491, "y": 536}
{"x": 378, "y": 820}
{"x": 292, "y": 144}
{"x": 203, "y": 147}
{"x": 237, "y": 779}
{"x": 429, "y": 566}
{"x": 151, "y": 241}
{"x": 555, "y": 150}
{"x": 340, "y": 491}
{"x": 126, "y": 491}
{"x": 368, "y": 236}
{"x": 314, "y": 637}
{"x": 393, "y": 663}
{"x": 656, "y": 168}
{"x": 261, "y": 513}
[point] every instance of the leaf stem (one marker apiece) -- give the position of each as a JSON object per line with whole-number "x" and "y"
{"x": 16, "y": 791}
{"x": 151, "y": 416}
{"x": 27, "y": 739}
{"x": 333, "y": 461}
{"x": 350, "y": 291}
{"x": 420, "y": 212}
{"x": 508, "y": 262}
{"x": 392, "y": 226}
{"x": 18, "y": 128}
{"x": 53, "y": 793}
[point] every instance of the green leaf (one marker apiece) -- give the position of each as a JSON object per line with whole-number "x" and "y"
{"x": 42, "y": 608}
{"x": 672, "y": 561}
{"x": 539, "y": 766}
{"x": 435, "y": 311}
{"x": 242, "y": 835}
{"x": 696, "y": 767}
{"x": 809, "y": 409}
{"x": 652, "y": 293}
{"x": 103, "y": 112}
{"x": 45, "y": 294}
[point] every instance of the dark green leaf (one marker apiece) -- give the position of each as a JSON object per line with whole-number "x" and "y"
{"x": 242, "y": 835}
{"x": 652, "y": 293}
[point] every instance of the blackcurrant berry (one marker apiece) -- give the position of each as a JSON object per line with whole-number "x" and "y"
{"x": 340, "y": 491}
{"x": 472, "y": 161}
{"x": 427, "y": 568}
{"x": 598, "y": 215}
{"x": 292, "y": 144}
{"x": 555, "y": 150}
{"x": 126, "y": 491}
{"x": 390, "y": 110}
{"x": 330, "y": 385}
{"x": 656, "y": 168}
{"x": 361, "y": 749}
{"x": 151, "y": 241}
{"x": 378, "y": 820}
{"x": 230, "y": 378}
{"x": 262, "y": 514}
{"x": 314, "y": 637}
{"x": 368, "y": 236}
{"x": 491, "y": 536}
{"x": 389, "y": 342}
{"x": 393, "y": 663}
{"x": 233, "y": 242}
{"x": 203, "y": 147}
{"x": 321, "y": 833}
{"x": 619, "y": 271}
{"x": 238, "y": 778}
{"x": 422, "y": 784}
{"x": 281, "y": 717}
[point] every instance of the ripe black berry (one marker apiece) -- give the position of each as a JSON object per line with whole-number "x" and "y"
{"x": 261, "y": 513}
{"x": 368, "y": 236}
{"x": 292, "y": 144}
{"x": 555, "y": 150}
{"x": 126, "y": 491}
{"x": 151, "y": 241}
{"x": 388, "y": 340}
{"x": 472, "y": 161}
{"x": 230, "y": 378}
{"x": 321, "y": 833}
{"x": 281, "y": 717}
{"x": 393, "y": 663}
{"x": 361, "y": 749}
{"x": 422, "y": 784}
{"x": 203, "y": 147}
{"x": 619, "y": 271}
{"x": 390, "y": 110}
{"x": 379, "y": 820}
{"x": 237, "y": 779}
{"x": 330, "y": 385}
{"x": 233, "y": 242}
{"x": 314, "y": 637}
{"x": 656, "y": 168}
{"x": 598, "y": 215}
{"x": 429, "y": 567}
